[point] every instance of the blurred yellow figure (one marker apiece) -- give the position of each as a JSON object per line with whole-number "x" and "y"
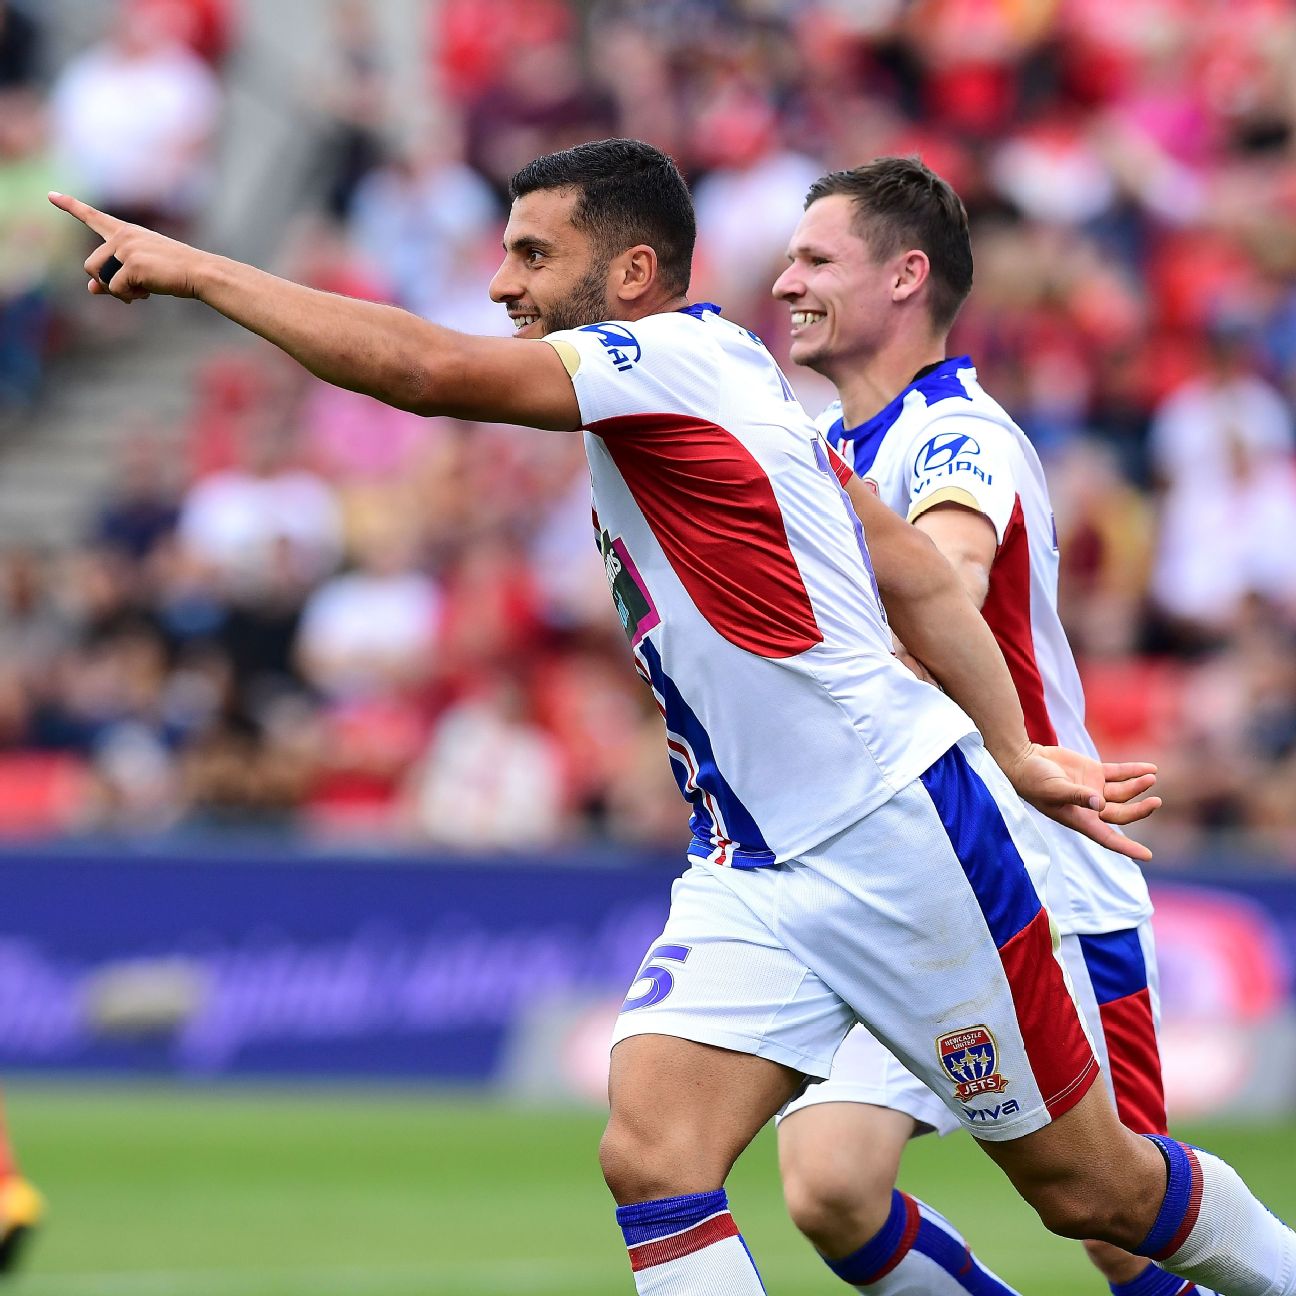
{"x": 21, "y": 1210}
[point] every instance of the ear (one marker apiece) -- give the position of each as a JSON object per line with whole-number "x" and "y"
{"x": 912, "y": 269}
{"x": 633, "y": 273}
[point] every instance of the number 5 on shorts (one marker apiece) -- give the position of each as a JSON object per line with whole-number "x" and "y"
{"x": 663, "y": 979}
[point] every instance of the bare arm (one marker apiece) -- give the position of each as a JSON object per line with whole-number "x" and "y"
{"x": 931, "y": 612}
{"x": 364, "y": 346}
{"x": 934, "y": 618}
{"x": 966, "y": 539}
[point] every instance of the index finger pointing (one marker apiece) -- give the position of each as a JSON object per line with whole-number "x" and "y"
{"x": 102, "y": 224}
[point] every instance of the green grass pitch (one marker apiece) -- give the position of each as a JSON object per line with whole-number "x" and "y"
{"x": 256, "y": 1192}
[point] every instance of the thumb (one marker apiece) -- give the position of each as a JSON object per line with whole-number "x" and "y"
{"x": 1077, "y": 794}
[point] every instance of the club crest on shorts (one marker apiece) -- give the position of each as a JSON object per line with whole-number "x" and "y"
{"x": 971, "y": 1059}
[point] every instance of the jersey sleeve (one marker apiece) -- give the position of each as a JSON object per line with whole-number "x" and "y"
{"x": 844, "y": 472}
{"x": 967, "y": 461}
{"x": 622, "y": 370}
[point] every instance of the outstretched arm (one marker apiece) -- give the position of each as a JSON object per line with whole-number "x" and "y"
{"x": 379, "y": 350}
{"x": 932, "y": 614}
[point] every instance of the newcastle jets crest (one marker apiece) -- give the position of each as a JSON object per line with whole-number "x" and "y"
{"x": 971, "y": 1059}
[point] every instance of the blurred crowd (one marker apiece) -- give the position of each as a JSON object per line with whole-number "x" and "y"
{"x": 330, "y": 617}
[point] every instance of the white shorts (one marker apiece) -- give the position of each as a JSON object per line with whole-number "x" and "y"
{"x": 920, "y": 920}
{"x": 1113, "y": 976}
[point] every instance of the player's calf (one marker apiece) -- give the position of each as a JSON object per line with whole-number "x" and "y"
{"x": 1090, "y": 1177}
{"x": 839, "y": 1163}
{"x": 681, "y": 1114}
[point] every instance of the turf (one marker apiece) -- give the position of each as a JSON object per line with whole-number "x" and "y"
{"x": 233, "y": 1192}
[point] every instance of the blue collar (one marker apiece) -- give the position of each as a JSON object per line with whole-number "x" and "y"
{"x": 937, "y": 382}
{"x": 698, "y": 309}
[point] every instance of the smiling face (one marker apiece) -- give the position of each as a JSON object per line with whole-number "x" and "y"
{"x": 551, "y": 277}
{"x": 841, "y": 299}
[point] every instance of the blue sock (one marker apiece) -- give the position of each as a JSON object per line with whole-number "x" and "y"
{"x": 917, "y": 1249}
{"x": 1154, "y": 1281}
{"x": 1212, "y": 1232}
{"x": 680, "y": 1245}
{"x": 1178, "y": 1213}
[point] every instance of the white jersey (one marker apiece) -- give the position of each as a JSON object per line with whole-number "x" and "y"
{"x": 944, "y": 439}
{"x": 741, "y": 577}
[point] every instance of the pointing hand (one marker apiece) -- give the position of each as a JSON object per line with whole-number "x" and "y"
{"x": 132, "y": 262}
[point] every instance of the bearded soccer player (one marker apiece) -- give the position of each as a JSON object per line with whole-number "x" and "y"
{"x": 853, "y": 840}
{"x": 879, "y": 266}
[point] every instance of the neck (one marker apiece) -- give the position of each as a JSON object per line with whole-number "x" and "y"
{"x": 657, "y": 307}
{"x": 867, "y": 386}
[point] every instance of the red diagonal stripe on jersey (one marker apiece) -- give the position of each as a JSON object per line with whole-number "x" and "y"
{"x": 1007, "y": 610}
{"x": 839, "y": 466}
{"x": 1134, "y": 1063}
{"x": 713, "y": 510}
{"x": 679, "y": 1245}
{"x": 1060, "y": 1057}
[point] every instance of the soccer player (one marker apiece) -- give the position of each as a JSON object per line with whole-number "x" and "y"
{"x": 880, "y": 264}
{"x": 856, "y": 851}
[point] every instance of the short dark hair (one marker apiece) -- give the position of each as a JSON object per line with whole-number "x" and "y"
{"x": 630, "y": 193}
{"x": 900, "y": 203}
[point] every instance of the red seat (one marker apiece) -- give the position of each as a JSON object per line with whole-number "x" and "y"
{"x": 1133, "y": 705}
{"x": 41, "y": 793}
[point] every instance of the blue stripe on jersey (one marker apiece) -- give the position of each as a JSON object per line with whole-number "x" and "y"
{"x": 983, "y": 845}
{"x": 750, "y": 848}
{"x": 864, "y": 445}
{"x": 698, "y": 309}
{"x": 939, "y": 383}
{"x": 1116, "y": 965}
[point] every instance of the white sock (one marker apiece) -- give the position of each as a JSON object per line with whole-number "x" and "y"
{"x": 917, "y": 1252}
{"x": 1214, "y": 1232}
{"x": 688, "y": 1246}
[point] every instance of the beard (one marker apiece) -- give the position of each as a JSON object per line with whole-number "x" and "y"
{"x": 585, "y": 304}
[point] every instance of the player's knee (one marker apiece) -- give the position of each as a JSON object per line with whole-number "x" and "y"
{"x": 623, "y": 1169}
{"x": 641, "y": 1165}
{"x": 834, "y": 1207}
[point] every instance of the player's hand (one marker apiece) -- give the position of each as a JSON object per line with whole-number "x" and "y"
{"x": 150, "y": 262}
{"x": 1089, "y": 795}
